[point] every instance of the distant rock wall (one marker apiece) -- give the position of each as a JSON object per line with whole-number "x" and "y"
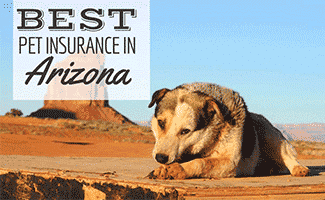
{"x": 314, "y": 132}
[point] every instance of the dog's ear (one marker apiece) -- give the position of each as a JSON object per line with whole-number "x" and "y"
{"x": 215, "y": 107}
{"x": 157, "y": 96}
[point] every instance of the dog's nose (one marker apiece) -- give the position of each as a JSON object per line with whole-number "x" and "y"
{"x": 161, "y": 158}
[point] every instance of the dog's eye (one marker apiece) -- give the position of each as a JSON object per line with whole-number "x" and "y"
{"x": 161, "y": 124}
{"x": 185, "y": 131}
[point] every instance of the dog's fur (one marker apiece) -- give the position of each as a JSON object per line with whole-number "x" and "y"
{"x": 205, "y": 130}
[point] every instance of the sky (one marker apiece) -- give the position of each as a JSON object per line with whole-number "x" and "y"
{"x": 271, "y": 52}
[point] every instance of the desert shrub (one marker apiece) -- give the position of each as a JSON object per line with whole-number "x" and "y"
{"x": 309, "y": 148}
{"x": 69, "y": 125}
{"x": 14, "y": 112}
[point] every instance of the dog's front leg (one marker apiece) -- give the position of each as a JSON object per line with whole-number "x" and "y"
{"x": 203, "y": 167}
{"x": 209, "y": 168}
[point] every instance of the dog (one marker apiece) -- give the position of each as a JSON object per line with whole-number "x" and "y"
{"x": 204, "y": 130}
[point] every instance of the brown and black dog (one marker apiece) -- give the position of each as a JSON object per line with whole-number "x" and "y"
{"x": 205, "y": 130}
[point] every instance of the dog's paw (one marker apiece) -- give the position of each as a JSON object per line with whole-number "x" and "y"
{"x": 173, "y": 171}
{"x": 299, "y": 170}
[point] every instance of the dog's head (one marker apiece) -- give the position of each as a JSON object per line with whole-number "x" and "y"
{"x": 184, "y": 124}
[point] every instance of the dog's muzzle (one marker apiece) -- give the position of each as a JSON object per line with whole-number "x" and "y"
{"x": 162, "y": 158}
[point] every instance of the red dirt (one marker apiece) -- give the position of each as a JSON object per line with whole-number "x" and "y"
{"x": 21, "y": 140}
{"x": 26, "y": 121}
{"x": 21, "y": 137}
{"x": 53, "y": 146}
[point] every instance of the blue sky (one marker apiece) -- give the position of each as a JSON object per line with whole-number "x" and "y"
{"x": 271, "y": 52}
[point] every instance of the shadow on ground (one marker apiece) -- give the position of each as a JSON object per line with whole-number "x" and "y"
{"x": 53, "y": 114}
{"x": 73, "y": 143}
{"x": 316, "y": 170}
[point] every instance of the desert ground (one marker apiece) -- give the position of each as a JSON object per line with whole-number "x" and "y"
{"x": 99, "y": 151}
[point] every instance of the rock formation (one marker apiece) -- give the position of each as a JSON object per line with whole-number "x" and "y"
{"x": 79, "y": 101}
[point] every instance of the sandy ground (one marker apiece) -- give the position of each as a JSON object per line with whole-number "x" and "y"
{"x": 39, "y": 137}
{"x": 75, "y": 147}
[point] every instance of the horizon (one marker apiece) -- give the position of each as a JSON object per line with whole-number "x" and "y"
{"x": 272, "y": 53}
